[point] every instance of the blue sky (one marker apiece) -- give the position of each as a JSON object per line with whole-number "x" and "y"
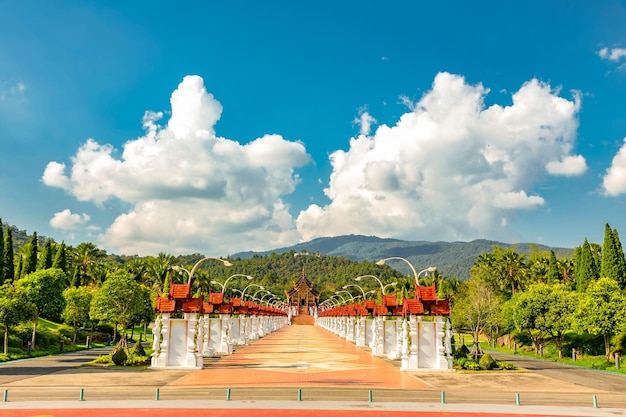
{"x": 218, "y": 127}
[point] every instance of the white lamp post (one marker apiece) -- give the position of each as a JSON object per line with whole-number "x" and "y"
{"x": 228, "y": 279}
{"x": 415, "y": 274}
{"x": 190, "y": 273}
{"x": 382, "y": 286}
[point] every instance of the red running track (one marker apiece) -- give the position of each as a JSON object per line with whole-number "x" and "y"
{"x": 221, "y": 412}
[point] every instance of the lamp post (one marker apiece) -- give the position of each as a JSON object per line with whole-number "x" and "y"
{"x": 382, "y": 286}
{"x": 258, "y": 291}
{"x": 190, "y": 273}
{"x": 347, "y": 292}
{"x": 393, "y": 284}
{"x": 357, "y": 286}
{"x": 415, "y": 274}
{"x": 228, "y": 279}
{"x": 248, "y": 286}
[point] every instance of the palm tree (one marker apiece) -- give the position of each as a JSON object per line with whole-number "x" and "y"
{"x": 515, "y": 269}
{"x": 156, "y": 271}
{"x": 86, "y": 257}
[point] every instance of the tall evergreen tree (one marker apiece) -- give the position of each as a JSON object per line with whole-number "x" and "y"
{"x": 60, "y": 258}
{"x": 30, "y": 264}
{"x": 552, "y": 276}
{"x": 9, "y": 261}
{"x": 45, "y": 259}
{"x": 586, "y": 270}
{"x": 1, "y": 253}
{"x": 621, "y": 260}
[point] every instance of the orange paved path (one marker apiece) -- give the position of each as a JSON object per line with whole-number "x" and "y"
{"x": 302, "y": 356}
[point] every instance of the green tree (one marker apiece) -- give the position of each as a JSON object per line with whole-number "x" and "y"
{"x": 601, "y": 310}
{"x": 9, "y": 260}
{"x": 553, "y": 276}
{"x": 613, "y": 264}
{"x": 44, "y": 289}
{"x": 475, "y": 308}
{"x": 158, "y": 269}
{"x": 45, "y": 258}
{"x": 117, "y": 301}
{"x": 77, "y": 304}
{"x": 31, "y": 252}
{"x": 1, "y": 253}
{"x": 14, "y": 309}
{"x": 60, "y": 258}
{"x": 543, "y": 311}
{"x": 586, "y": 267}
{"x": 86, "y": 258}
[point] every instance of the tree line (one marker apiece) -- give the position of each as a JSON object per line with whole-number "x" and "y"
{"x": 547, "y": 299}
{"x": 540, "y": 297}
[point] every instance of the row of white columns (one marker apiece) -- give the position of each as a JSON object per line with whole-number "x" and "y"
{"x": 183, "y": 343}
{"x": 419, "y": 344}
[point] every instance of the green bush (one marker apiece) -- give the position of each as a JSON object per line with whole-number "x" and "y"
{"x": 487, "y": 363}
{"x": 138, "y": 349}
{"x": 467, "y": 364}
{"x": 137, "y": 360}
{"x": 619, "y": 343}
{"x": 118, "y": 356}
{"x": 506, "y": 365}
{"x": 103, "y": 360}
{"x": 461, "y": 352}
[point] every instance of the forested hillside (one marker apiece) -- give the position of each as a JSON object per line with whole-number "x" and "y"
{"x": 451, "y": 258}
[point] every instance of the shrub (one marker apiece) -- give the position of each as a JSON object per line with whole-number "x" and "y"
{"x": 461, "y": 352}
{"x": 136, "y": 360}
{"x": 118, "y": 356}
{"x": 506, "y": 365}
{"x": 487, "y": 362}
{"x": 619, "y": 343}
{"x": 138, "y": 349}
{"x": 468, "y": 364}
{"x": 103, "y": 359}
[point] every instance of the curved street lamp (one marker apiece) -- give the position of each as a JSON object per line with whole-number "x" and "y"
{"x": 190, "y": 273}
{"x": 415, "y": 274}
{"x": 228, "y": 279}
{"x": 382, "y": 286}
{"x": 248, "y": 286}
{"x": 258, "y": 291}
{"x": 347, "y": 292}
{"x": 354, "y": 285}
{"x": 393, "y": 284}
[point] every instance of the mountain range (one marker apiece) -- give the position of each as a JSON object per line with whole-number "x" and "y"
{"x": 451, "y": 258}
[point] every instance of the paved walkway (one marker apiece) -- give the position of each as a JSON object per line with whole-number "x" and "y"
{"x": 295, "y": 368}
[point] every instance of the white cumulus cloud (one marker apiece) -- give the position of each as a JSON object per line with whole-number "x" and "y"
{"x": 614, "y": 181}
{"x": 450, "y": 168}
{"x": 66, "y": 220}
{"x": 569, "y": 166}
{"x": 189, "y": 190}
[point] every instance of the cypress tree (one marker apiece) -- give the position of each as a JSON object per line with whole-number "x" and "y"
{"x": 9, "y": 261}
{"x": 609, "y": 254}
{"x": 31, "y": 256}
{"x": 552, "y": 275}
{"x": 45, "y": 260}
{"x": 621, "y": 260}
{"x": 1, "y": 253}
{"x": 60, "y": 258}
{"x": 586, "y": 270}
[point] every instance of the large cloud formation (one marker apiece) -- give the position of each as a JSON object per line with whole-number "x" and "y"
{"x": 188, "y": 188}
{"x": 451, "y": 168}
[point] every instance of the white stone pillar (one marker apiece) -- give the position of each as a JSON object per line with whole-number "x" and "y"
{"x": 379, "y": 337}
{"x": 225, "y": 347}
{"x": 361, "y": 332}
{"x": 412, "y": 361}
